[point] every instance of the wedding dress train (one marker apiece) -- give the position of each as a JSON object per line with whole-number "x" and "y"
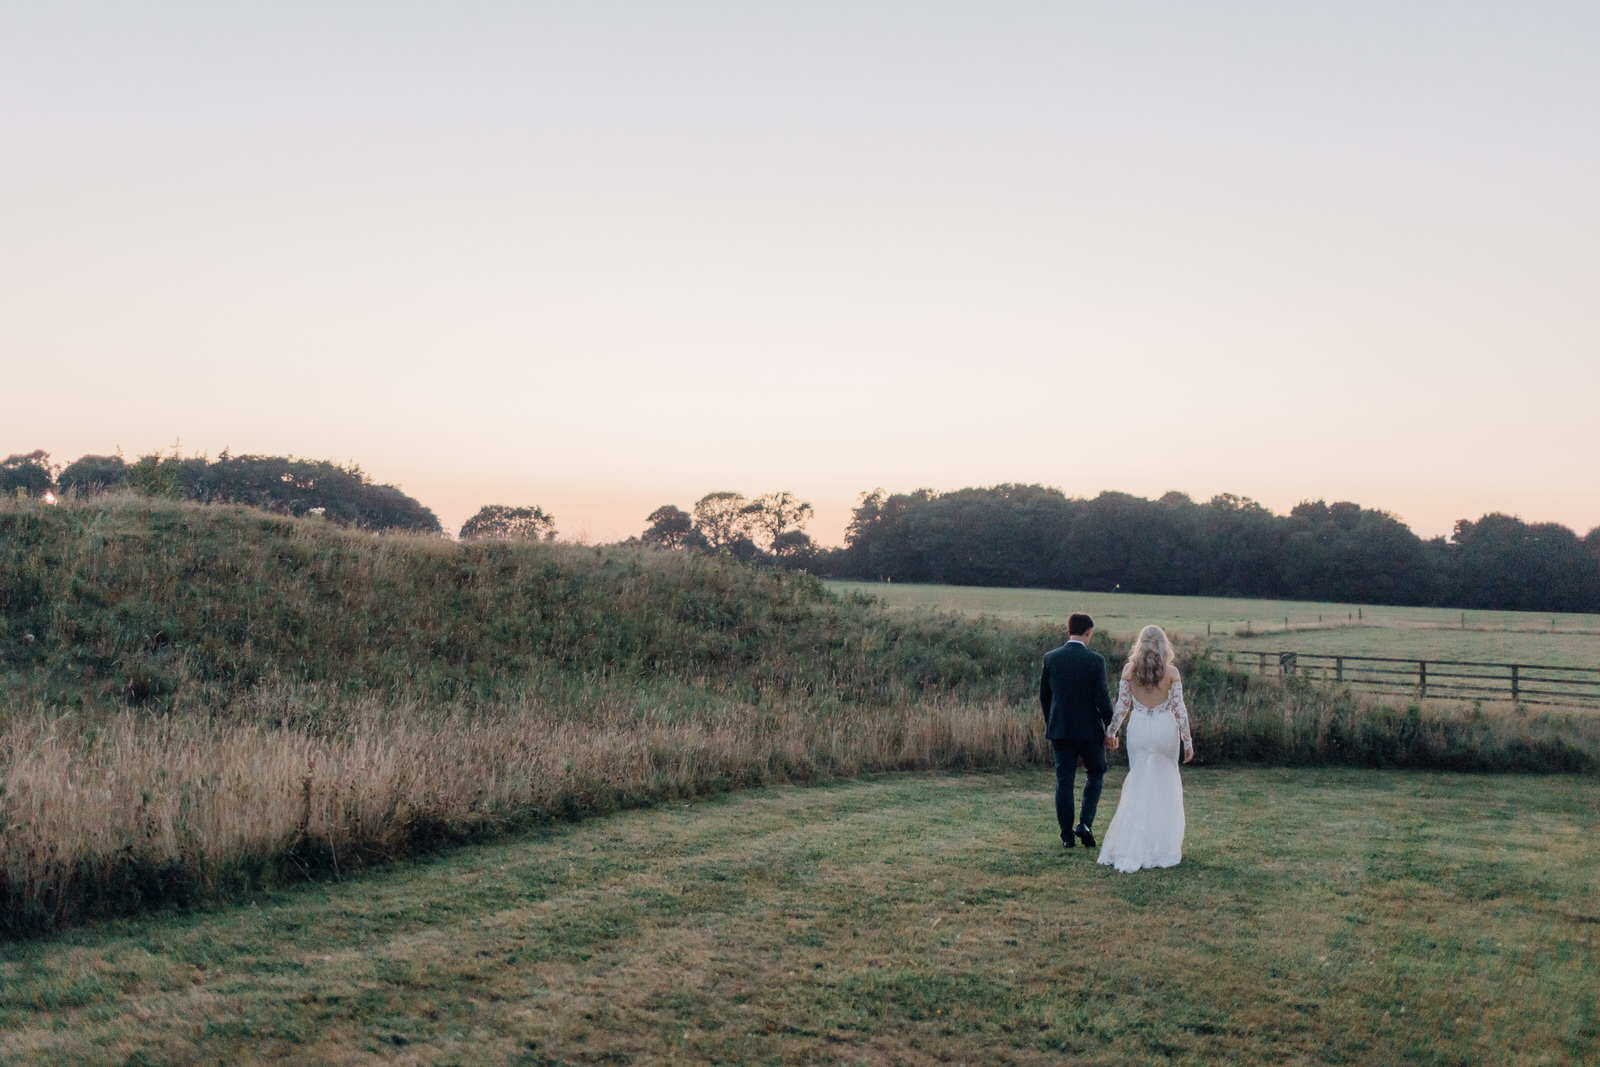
{"x": 1147, "y": 829}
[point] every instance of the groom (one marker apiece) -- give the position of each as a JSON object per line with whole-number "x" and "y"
{"x": 1077, "y": 709}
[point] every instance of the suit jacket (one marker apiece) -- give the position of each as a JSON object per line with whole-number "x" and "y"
{"x": 1073, "y": 694}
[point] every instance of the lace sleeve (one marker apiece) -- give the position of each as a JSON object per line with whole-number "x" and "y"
{"x": 1180, "y": 711}
{"x": 1119, "y": 712}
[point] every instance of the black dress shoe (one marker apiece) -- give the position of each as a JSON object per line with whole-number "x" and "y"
{"x": 1085, "y": 835}
{"x": 1068, "y": 842}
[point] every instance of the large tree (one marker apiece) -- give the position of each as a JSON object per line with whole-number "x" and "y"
{"x": 668, "y": 527}
{"x": 31, "y": 472}
{"x": 284, "y": 484}
{"x": 502, "y": 523}
{"x": 774, "y": 514}
{"x": 94, "y": 474}
{"x": 794, "y": 548}
{"x": 723, "y": 518}
{"x": 1501, "y": 562}
{"x": 1346, "y": 552}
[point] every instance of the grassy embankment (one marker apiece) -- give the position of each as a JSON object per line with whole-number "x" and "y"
{"x": 199, "y": 701}
{"x": 1319, "y": 916}
{"x": 1567, "y": 640}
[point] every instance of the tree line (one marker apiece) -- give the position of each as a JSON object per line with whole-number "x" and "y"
{"x": 769, "y": 529}
{"x": 340, "y": 493}
{"x": 1004, "y": 535}
{"x": 1030, "y": 535}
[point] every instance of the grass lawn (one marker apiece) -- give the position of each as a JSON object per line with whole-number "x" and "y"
{"x": 1569, "y": 640}
{"x": 1318, "y": 917}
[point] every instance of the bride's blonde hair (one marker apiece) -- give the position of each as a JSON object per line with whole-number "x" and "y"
{"x": 1150, "y": 656}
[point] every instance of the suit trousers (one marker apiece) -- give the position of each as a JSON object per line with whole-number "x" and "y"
{"x": 1067, "y": 752}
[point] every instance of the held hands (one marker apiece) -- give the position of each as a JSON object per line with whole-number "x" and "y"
{"x": 1111, "y": 743}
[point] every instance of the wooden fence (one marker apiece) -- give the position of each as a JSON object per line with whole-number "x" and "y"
{"x": 1438, "y": 679}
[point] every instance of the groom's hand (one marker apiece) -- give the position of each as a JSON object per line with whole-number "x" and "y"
{"x": 1111, "y": 743}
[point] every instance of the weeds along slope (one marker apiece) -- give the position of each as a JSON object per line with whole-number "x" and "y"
{"x": 137, "y": 812}
{"x": 1237, "y": 717}
{"x": 177, "y": 606}
{"x": 199, "y": 700}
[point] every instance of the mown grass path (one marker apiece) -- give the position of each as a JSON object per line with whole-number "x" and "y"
{"x": 1318, "y": 917}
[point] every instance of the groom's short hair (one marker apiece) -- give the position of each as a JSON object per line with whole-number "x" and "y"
{"x": 1078, "y": 624}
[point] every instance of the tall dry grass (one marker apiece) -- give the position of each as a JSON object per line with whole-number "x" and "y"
{"x": 133, "y": 812}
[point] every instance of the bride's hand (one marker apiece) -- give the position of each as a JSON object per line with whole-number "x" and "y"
{"x": 1190, "y": 757}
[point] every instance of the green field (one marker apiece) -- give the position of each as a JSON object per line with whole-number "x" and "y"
{"x": 1568, "y": 640}
{"x": 1318, "y": 916}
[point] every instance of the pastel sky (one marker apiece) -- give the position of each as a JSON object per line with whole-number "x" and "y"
{"x": 605, "y": 256}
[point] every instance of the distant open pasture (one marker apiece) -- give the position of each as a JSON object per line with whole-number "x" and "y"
{"x": 1569, "y": 640}
{"x": 1327, "y": 916}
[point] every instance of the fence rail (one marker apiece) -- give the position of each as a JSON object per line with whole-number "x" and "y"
{"x": 1439, "y": 679}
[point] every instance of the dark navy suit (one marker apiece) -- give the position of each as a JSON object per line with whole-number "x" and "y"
{"x": 1077, "y": 710}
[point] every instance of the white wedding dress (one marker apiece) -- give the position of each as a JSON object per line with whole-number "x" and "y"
{"x": 1147, "y": 829}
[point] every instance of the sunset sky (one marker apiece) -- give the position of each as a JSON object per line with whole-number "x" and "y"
{"x": 605, "y": 256}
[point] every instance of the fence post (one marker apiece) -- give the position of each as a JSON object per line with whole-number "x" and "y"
{"x": 1422, "y": 675}
{"x": 1338, "y": 668}
{"x": 1516, "y": 687}
{"x": 1263, "y": 666}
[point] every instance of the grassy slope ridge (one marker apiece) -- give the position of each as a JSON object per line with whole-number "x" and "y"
{"x": 200, "y": 700}
{"x": 176, "y": 605}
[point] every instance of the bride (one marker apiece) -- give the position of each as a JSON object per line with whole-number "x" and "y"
{"x": 1147, "y": 829}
